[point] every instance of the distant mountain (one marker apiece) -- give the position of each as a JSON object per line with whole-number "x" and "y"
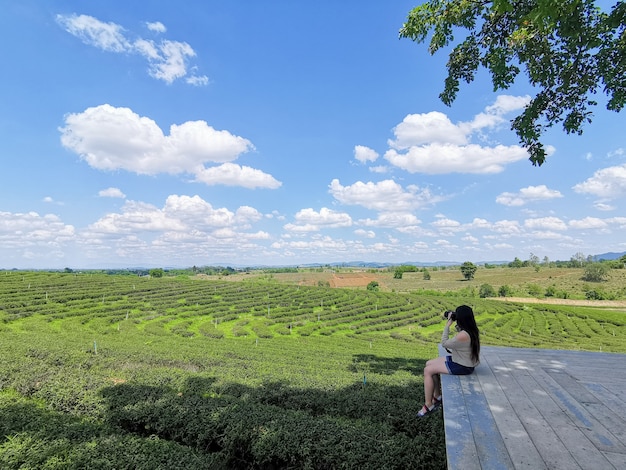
{"x": 609, "y": 256}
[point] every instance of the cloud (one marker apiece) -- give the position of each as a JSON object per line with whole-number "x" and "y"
{"x": 231, "y": 174}
{"x": 432, "y": 144}
{"x": 588, "y": 223}
{"x": 440, "y": 158}
{"x": 185, "y": 214}
{"x": 384, "y": 196}
{"x": 168, "y": 60}
{"x": 26, "y": 231}
{"x": 545, "y": 223}
{"x": 608, "y": 183}
{"x": 93, "y": 32}
{"x": 365, "y": 154}
{"x": 365, "y": 233}
{"x": 112, "y": 192}
{"x": 110, "y": 138}
{"x": 402, "y": 221}
{"x": 157, "y": 27}
{"x": 418, "y": 129}
{"x": 526, "y": 195}
{"x": 308, "y": 220}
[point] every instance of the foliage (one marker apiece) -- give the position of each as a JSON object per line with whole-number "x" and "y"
{"x": 157, "y": 272}
{"x": 468, "y": 269}
{"x": 373, "y": 286}
{"x": 486, "y": 290}
{"x": 596, "y": 272}
{"x": 426, "y": 275}
{"x": 504, "y": 291}
{"x": 102, "y": 371}
{"x": 568, "y": 50}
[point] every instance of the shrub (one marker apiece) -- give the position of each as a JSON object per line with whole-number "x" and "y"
{"x": 505, "y": 291}
{"x": 486, "y": 290}
{"x": 595, "y": 272}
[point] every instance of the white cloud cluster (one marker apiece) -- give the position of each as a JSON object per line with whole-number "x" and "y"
{"x": 526, "y": 195}
{"x": 110, "y": 138}
{"x": 430, "y": 143}
{"x": 607, "y": 183}
{"x": 384, "y": 196}
{"x": 168, "y": 60}
{"x": 308, "y": 220}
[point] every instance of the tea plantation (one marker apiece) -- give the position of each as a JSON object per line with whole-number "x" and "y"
{"x": 126, "y": 372}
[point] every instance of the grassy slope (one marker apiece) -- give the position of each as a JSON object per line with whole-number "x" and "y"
{"x": 122, "y": 372}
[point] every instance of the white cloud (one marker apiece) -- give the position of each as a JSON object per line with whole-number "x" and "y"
{"x": 526, "y": 195}
{"x": 601, "y": 206}
{"x": 365, "y": 233}
{"x": 588, "y": 223}
{"x": 168, "y": 60}
{"x": 30, "y": 236}
{"x": 419, "y": 129}
{"x": 399, "y": 220}
{"x": 506, "y": 103}
{"x": 384, "y": 196}
{"x": 309, "y": 220}
{"x": 365, "y": 154}
{"x": 231, "y": 174}
{"x": 379, "y": 169}
{"x": 545, "y": 223}
{"x": 93, "y": 32}
{"x": 112, "y": 192}
{"x": 608, "y": 183}
{"x": 438, "y": 158}
{"x": 157, "y": 27}
{"x": 430, "y": 143}
{"x": 110, "y": 138}
{"x": 190, "y": 216}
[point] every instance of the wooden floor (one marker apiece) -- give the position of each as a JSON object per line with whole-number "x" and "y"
{"x": 537, "y": 409}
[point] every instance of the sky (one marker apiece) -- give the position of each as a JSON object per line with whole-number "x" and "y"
{"x": 242, "y": 133}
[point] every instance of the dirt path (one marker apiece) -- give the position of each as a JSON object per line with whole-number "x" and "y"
{"x": 575, "y": 302}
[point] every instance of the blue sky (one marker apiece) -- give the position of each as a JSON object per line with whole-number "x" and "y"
{"x": 166, "y": 133}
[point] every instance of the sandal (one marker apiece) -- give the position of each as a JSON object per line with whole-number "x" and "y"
{"x": 424, "y": 411}
{"x": 437, "y": 402}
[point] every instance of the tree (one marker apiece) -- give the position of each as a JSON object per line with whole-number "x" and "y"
{"x": 595, "y": 272}
{"x": 504, "y": 291}
{"x": 568, "y": 49}
{"x": 156, "y": 272}
{"x": 486, "y": 290}
{"x": 373, "y": 286}
{"x": 468, "y": 269}
{"x": 578, "y": 260}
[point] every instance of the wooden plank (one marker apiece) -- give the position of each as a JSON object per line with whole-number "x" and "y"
{"x": 568, "y": 441}
{"x": 460, "y": 445}
{"x": 535, "y": 409}
{"x": 585, "y": 421}
{"x": 540, "y": 447}
{"x": 492, "y": 452}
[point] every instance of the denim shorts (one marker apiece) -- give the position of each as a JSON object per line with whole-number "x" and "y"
{"x": 457, "y": 369}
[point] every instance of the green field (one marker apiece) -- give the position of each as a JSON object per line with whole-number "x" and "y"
{"x": 101, "y": 371}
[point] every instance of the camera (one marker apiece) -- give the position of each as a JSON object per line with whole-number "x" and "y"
{"x": 450, "y": 315}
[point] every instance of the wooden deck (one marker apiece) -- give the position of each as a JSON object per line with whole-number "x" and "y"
{"x": 537, "y": 409}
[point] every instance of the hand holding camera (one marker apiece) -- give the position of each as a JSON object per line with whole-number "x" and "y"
{"x": 449, "y": 315}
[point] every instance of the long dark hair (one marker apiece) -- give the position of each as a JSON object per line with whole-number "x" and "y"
{"x": 466, "y": 322}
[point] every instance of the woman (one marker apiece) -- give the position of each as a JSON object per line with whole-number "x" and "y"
{"x": 464, "y": 349}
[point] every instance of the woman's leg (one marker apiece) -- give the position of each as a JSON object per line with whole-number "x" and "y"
{"x": 437, "y": 386}
{"x": 432, "y": 381}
